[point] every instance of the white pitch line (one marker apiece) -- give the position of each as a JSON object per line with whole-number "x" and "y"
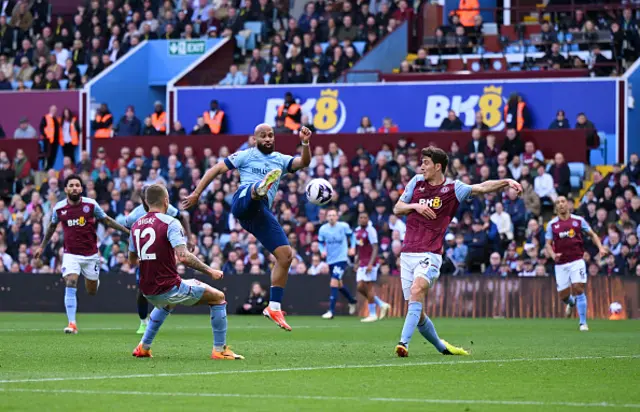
{"x": 311, "y": 368}
{"x": 166, "y": 328}
{"x": 328, "y": 398}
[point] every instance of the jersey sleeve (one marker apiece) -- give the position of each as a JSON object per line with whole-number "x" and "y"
{"x": 463, "y": 190}
{"x": 98, "y": 212}
{"x": 132, "y": 246}
{"x": 321, "y": 239}
{"x": 287, "y": 163}
{"x": 173, "y": 212}
{"x": 548, "y": 234}
{"x": 175, "y": 234}
{"x": 54, "y": 216}
{"x": 408, "y": 190}
{"x": 373, "y": 235}
{"x": 238, "y": 159}
{"x": 584, "y": 225}
{"x": 347, "y": 229}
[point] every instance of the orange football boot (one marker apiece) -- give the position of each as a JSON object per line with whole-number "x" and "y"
{"x": 71, "y": 328}
{"x": 140, "y": 352}
{"x": 278, "y": 317}
{"x": 226, "y": 354}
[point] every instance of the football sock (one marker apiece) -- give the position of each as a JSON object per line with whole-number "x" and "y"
{"x": 347, "y": 294}
{"x": 219, "y": 325}
{"x": 275, "y": 297}
{"x": 581, "y": 302}
{"x": 427, "y": 330}
{"x": 157, "y": 318}
{"x": 379, "y": 301}
{"x": 71, "y": 303}
{"x": 411, "y": 321}
{"x": 143, "y": 307}
{"x": 570, "y": 300}
{"x": 332, "y": 299}
{"x": 372, "y": 309}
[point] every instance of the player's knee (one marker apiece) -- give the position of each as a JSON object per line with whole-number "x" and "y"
{"x": 71, "y": 281}
{"x": 578, "y": 289}
{"x": 92, "y": 291}
{"x": 285, "y": 256}
{"x": 217, "y": 297}
{"x": 417, "y": 291}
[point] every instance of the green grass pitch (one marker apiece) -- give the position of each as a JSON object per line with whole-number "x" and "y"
{"x": 342, "y": 364}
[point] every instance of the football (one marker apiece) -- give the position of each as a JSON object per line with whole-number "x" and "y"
{"x": 615, "y": 308}
{"x": 319, "y": 191}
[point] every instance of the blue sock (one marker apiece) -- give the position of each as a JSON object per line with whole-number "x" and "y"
{"x": 429, "y": 332}
{"x": 570, "y": 300}
{"x": 372, "y": 309}
{"x": 581, "y": 302}
{"x": 333, "y": 298}
{"x": 411, "y": 321}
{"x": 347, "y": 294}
{"x": 275, "y": 297}
{"x": 157, "y": 318}
{"x": 70, "y": 303}
{"x": 379, "y": 301}
{"x": 219, "y": 325}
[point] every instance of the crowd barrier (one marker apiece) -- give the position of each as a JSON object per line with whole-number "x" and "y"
{"x": 468, "y": 296}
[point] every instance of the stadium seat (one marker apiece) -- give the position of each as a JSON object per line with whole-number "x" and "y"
{"x": 324, "y": 46}
{"x": 28, "y": 84}
{"x": 577, "y": 169}
{"x": 266, "y": 78}
{"x": 14, "y": 85}
{"x": 82, "y": 68}
{"x": 359, "y": 46}
{"x": 63, "y": 84}
{"x": 256, "y": 27}
{"x": 576, "y": 182}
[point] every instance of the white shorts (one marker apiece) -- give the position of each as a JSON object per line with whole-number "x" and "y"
{"x": 87, "y": 266}
{"x": 363, "y": 276}
{"x": 569, "y": 273}
{"x": 188, "y": 293}
{"x": 418, "y": 265}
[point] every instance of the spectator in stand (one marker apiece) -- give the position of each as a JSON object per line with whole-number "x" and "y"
{"x": 25, "y": 73}
{"x": 316, "y": 76}
{"x": 201, "y": 127}
{"x": 561, "y": 175}
{"x": 365, "y": 126}
{"x": 129, "y": 124}
{"x": 479, "y": 122}
{"x": 515, "y": 207}
{"x": 544, "y": 185}
{"x": 476, "y": 145}
{"x": 95, "y": 67}
{"x": 388, "y": 126}
{"x": 25, "y": 130}
{"x": 512, "y": 144}
{"x": 159, "y": 118}
{"x": 234, "y": 77}
{"x": 633, "y": 169}
{"x": 258, "y": 62}
{"x": 516, "y": 114}
{"x": 593, "y": 140}
{"x": 70, "y": 130}
{"x": 4, "y": 83}
{"x": 451, "y": 122}
{"x": 50, "y": 134}
{"x": 103, "y": 123}
{"x": 560, "y": 122}
{"x": 531, "y": 155}
{"x": 477, "y": 242}
{"x": 290, "y": 113}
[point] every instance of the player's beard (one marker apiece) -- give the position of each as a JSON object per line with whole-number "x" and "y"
{"x": 266, "y": 150}
{"x": 73, "y": 197}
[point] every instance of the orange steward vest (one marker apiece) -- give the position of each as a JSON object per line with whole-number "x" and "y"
{"x": 289, "y": 123}
{"x": 215, "y": 123}
{"x": 519, "y": 115}
{"x": 50, "y": 128}
{"x": 72, "y": 131}
{"x": 159, "y": 121}
{"x": 105, "y": 132}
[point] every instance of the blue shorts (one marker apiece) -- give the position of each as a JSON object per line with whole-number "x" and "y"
{"x": 188, "y": 293}
{"x": 337, "y": 270}
{"x": 256, "y": 218}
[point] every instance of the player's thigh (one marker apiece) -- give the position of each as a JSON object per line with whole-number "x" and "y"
{"x": 267, "y": 230}
{"x": 563, "y": 277}
{"x": 428, "y": 268}
{"x": 337, "y": 271}
{"x": 578, "y": 273}
{"x": 71, "y": 265}
{"x": 369, "y": 277}
{"x": 242, "y": 206}
{"x": 408, "y": 263}
{"x": 210, "y": 295}
{"x": 90, "y": 268}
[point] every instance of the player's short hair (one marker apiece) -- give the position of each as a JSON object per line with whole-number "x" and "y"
{"x": 437, "y": 155}
{"x": 155, "y": 194}
{"x": 73, "y": 177}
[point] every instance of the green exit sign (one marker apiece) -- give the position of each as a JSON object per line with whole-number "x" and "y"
{"x": 186, "y": 47}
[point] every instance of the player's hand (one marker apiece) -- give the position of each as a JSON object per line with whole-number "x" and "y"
{"x": 305, "y": 134}
{"x": 352, "y": 252}
{"x": 556, "y": 256}
{"x": 191, "y": 247}
{"x": 603, "y": 251}
{"x": 190, "y": 201}
{"x": 38, "y": 253}
{"x": 216, "y": 274}
{"x": 369, "y": 268}
{"x": 425, "y": 211}
{"x": 515, "y": 186}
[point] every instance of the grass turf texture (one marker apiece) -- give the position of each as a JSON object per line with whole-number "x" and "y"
{"x": 524, "y": 365}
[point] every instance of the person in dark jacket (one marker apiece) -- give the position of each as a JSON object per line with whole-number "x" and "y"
{"x": 513, "y": 145}
{"x": 561, "y": 175}
{"x": 593, "y": 140}
{"x": 129, "y": 124}
{"x": 476, "y": 145}
{"x": 452, "y": 122}
{"x": 560, "y": 121}
{"x": 255, "y": 303}
{"x": 516, "y": 113}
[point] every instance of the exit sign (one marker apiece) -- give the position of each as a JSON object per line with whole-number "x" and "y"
{"x": 186, "y": 47}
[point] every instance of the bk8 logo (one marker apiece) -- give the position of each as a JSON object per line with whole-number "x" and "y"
{"x": 81, "y": 221}
{"x": 435, "y": 203}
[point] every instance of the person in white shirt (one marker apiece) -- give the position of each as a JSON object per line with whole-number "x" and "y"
{"x": 397, "y": 224}
{"x": 543, "y": 185}
{"x": 318, "y": 267}
{"x": 503, "y": 221}
{"x": 515, "y": 167}
{"x": 61, "y": 53}
{"x": 234, "y": 77}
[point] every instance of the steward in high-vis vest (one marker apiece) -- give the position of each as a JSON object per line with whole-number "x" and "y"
{"x": 50, "y": 135}
{"x": 215, "y": 118}
{"x": 69, "y": 134}
{"x": 103, "y": 123}
{"x": 159, "y": 118}
{"x": 516, "y": 113}
{"x": 290, "y": 113}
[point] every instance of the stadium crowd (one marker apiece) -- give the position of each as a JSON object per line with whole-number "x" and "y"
{"x": 499, "y": 235}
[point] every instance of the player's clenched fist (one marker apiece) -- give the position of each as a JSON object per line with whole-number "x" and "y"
{"x": 305, "y": 134}
{"x": 515, "y": 186}
{"x": 425, "y": 211}
{"x": 216, "y": 274}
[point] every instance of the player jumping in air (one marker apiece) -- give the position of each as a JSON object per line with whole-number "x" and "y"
{"x": 367, "y": 262}
{"x": 332, "y": 238}
{"x": 260, "y": 169}
{"x": 430, "y": 202}
{"x": 79, "y": 217}
{"x": 156, "y": 239}
{"x": 137, "y": 213}
{"x": 566, "y": 247}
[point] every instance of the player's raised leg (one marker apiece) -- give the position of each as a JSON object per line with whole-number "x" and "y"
{"x": 279, "y": 276}
{"x": 143, "y": 312}
{"x": 71, "y": 301}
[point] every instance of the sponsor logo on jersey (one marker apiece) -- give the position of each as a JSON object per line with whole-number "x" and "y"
{"x": 81, "y": 221}
{"x": 433, "y": 203}
{"x": 567, "y": 233}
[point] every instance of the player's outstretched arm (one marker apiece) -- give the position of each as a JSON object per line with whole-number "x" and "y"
{"x": 189, "y": 259}
{"x": 217, "y": 169}
{"x": 47, "y": 237}
{"x": 491, "y": 186}
{"x": 304, "y": 160}
{"x": 596, "y": 241}
{"x": 549, "y": 248}
{"x": 183, "y": 218}
{"x": 109, "y": 222}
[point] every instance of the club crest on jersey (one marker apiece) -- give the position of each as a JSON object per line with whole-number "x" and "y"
{"x": 433, "y": 203}
{"x": 86, "y": 209}
{"x": 444, "y": 190}
{"x": 567, "y": 233}
{"x": 575, "y": 224}
{"x": 81, "y": 221}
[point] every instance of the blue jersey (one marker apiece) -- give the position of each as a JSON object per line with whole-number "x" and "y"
{"x": 139, "y": 211}
{"x": 333, "y": 240}
{"x": 254, "y": 165}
